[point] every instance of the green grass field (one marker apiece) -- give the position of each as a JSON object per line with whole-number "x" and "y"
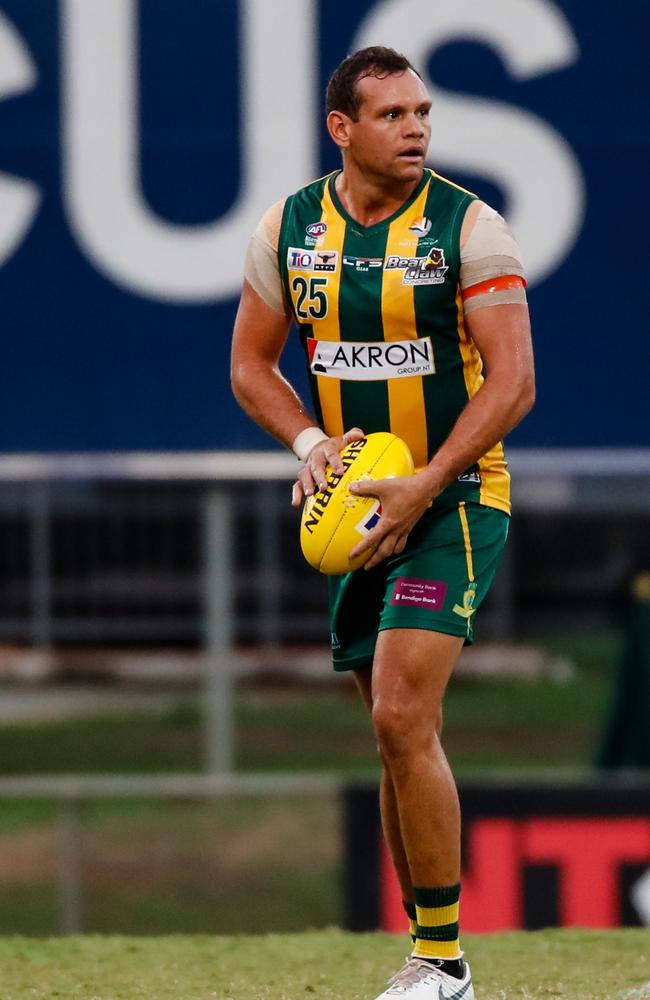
{"x": 327, "y": 965}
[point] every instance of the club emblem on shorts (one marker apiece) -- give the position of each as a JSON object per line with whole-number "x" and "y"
{"x": 421, "y": 226}
{"x": 467, "y": 609}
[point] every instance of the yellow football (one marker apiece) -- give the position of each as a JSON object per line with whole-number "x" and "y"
{"x": 335, "y": 520}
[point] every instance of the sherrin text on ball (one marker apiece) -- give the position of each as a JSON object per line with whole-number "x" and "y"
{"x": 335, "y": 520}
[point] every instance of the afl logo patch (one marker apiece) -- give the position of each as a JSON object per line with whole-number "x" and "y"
{"x": 316, "y": 229}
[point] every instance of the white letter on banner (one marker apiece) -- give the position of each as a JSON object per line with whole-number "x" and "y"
{"x": 19, "y": 199}
{"x": 515, "y": 149}
{"x": 108, "y": 214}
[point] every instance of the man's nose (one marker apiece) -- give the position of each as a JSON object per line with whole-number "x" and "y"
{"x": 414, "y": 125}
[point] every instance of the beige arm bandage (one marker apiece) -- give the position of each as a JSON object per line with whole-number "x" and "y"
{"x": 490, "y": 257}
{"x": 261, "y": 263}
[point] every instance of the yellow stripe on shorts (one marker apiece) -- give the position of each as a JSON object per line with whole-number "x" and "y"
{"x": 462, "y": 513}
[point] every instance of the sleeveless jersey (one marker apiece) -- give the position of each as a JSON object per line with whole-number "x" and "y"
{"x": 380, "y": 318}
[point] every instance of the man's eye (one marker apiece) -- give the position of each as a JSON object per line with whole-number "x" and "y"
{"x": 392, "y": 115}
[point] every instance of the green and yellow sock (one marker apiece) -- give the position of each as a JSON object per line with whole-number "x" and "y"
{"x": 436, "y": 934}
{"x": 409, "y": 909}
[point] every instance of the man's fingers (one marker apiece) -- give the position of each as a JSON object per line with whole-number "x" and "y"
{"x": 372, "y": 539}
{"x": 306, "y": 481}
{"x": 320, "y": 457}
{"x": 329, "y": 453}
{"x": 367, "y": 487}
{"x": 334, "y": 447}
{"x": 317, "y": 467}
{"x": 388, "y": 547}
{"x": 386, "y": 542}
{"x": 401, "y": 545}
{"x": 297, "y": 494}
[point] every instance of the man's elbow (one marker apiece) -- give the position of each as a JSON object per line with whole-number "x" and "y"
{"x": 234, "y": 377}
{"x": 239, "y": 380}
{"x": 526, "y": 395}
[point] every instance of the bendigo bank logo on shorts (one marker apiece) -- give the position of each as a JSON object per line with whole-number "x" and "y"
{"x": 412, "y": 592}
{"x": 357, "y": 361}
{"x": 427, "y": 270}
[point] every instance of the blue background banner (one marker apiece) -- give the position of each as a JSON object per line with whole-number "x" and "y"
{"x": 141, "y": 141}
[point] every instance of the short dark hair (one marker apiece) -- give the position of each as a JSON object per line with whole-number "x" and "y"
{"x": 342, "y": 93}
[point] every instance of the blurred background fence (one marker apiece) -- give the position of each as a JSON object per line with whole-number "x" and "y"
{"x": 117, "y": 550}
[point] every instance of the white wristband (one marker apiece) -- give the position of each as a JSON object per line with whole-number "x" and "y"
{"x": 305, "y": 441}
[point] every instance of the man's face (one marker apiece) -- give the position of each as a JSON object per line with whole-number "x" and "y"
{"x": 391, "y": 136}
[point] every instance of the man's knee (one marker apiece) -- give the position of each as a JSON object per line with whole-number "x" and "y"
{"x": 402, "y": 730}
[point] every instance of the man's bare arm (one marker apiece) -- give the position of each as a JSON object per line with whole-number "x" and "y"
{"x": 261, "y": 390}
{"x": 502, "y": 336}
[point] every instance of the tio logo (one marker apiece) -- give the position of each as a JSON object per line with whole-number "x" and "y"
{"x": 132, "y": 246}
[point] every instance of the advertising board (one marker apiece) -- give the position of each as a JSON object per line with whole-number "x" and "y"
{"x": 534, "y": 855}
{"x": 141, "y": 140}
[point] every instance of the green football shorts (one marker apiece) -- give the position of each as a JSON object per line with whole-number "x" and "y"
{"x": 437, "y": 583}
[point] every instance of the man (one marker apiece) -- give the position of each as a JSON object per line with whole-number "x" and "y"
{"x": 402, "y": 284}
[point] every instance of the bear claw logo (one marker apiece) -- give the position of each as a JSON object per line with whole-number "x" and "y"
{"x": 429, "y": 270}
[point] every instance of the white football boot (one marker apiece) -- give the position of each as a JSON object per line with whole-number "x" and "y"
{"x": 420, "y": 980}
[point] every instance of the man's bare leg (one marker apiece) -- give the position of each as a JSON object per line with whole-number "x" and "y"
{"x": 409, "y": 677}
{"x": 388, "y": 803}
{"x": 419, "y": 801}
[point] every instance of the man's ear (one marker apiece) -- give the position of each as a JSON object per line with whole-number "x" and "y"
{"x": 338, "y": 126}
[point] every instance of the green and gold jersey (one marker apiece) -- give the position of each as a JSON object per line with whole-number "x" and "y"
{"x": 380, "y": 317}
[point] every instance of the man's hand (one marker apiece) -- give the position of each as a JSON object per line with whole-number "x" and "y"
{"x": 312, "y": 477}
{"x": 403, "y": 502}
